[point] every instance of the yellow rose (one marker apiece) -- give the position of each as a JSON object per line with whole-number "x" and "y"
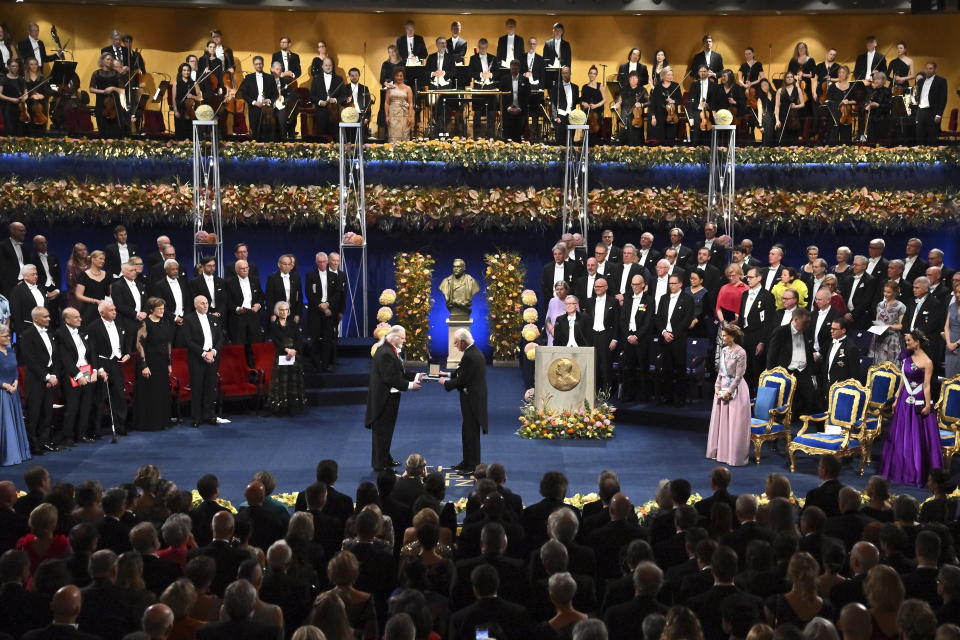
{"x": 530, "y": 332}
{"x": 529, "y": 298}
{"x": 384, "y": 314}
{"x": 389, "y": 296}
{"x": 530, "y": 315}
{"x": 530, "y": 350}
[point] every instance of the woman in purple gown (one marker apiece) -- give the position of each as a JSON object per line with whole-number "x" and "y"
{"x": 913, "y": 444}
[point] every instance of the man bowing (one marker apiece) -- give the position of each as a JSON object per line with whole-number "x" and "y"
{"x": 387, "y": 379}
{"x": 470, "y": 379}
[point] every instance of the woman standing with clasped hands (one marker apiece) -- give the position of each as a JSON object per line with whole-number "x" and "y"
{"x": 728, "y": 440}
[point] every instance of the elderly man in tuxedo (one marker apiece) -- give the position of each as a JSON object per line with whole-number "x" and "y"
{"x": 791, "y": 347}
{"x": 203, "y": 337}
{"x": 756, "y": 318}
{"x": 326, "y": 303}
{"x": 388, "y": 378}
{"x": 24, "y": 297}
{"x": 48, "y": 271}
{"x": 130, "y": 297}
{"x": 79, "y": 373}
{"x": 38, "y": 352}
{"x": 673, "y": 317}
{"x": 470, "y": 379}
{"x": 245, "y": 301}
{"x": 636, "y": 321}
{"x": 111, "y": 344}
{"x": 926, "y": 313}
{"x": 574, "y": 328}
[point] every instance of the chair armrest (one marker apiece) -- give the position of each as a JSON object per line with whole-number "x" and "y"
{"x": 807, "y": 419}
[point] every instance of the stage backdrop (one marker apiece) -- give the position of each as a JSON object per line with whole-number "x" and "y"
{"x": 267, "y": 243}
{"x": 360, "y": 39}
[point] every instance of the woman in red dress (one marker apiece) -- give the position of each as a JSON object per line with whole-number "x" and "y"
{"x": 41, "y": 543}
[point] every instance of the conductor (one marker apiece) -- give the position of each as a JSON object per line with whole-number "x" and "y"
{"x": 470, "y": 379}
{"x": 387, "y": 379}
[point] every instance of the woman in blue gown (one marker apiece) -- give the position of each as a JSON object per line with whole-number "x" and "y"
{"x": 912, "y": 448}
{"x": 14, "y": 446}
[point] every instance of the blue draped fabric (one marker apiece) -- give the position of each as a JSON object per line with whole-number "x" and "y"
{"x": 301, "y": 172}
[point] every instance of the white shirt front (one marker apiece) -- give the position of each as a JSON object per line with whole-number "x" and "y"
{"x": 124, "y": 252}
{"x": 36, "y": 293}
{"x": 816, "y": 285}
{"x": 355, "y": 92}
{"x": 590, "y": 281}
{"x": 598, "y": 309}
{"x": 821, "y": 317}
{"x": 285, "y": 279}
{"x": 81, "y": 348}
{"x": 410, "y": 53}
{"x": 46, "y": 269}
{"x": 323, "y": 283}
{"x": 515, "y": 88}
{"x": 706, "y": 57}
{"x": 751, "y": 298}
{"x": 484, "y": 64}
{"x": 327, "y": 81}
{"x": 18, "y": 250}
{"x": 114, "y": 335}
{"x": 634, "y": 307}
{"x": 218, "y": 51}
{"x": 660, "y": 290}
{"x": 259, "y": 79}
{"x": 870, "y": 56}
{"x": 530, "y": 59}
{"x": 908, "y": 264}
{"x": 925, "y": 93}
{"x": 772, "y": 277}
{"x": 207, "y": 333}
{"x": 872, "y": 264}
{"x": 916, "y": 311}
{"x": 4, "y": 53}
{"x": 177, "y": 296}
{"x": 509, "y": 56}
{"x": 625, "y": 279}
{"x": 572, "y": 321}
{"x": 286, "y": 64}
{"x": 787, "y": 316}
{"x": 568, "y": 93}
{"x": 211, "y": 287}
{"x": 246, "y": 293}
{"x": 704, "y": 89}
{"x": 798, "y": 357}
{"x": 670, "y": 307}
{"x": 558, "y": 274}
{"x": 135, "y": 292}
{"x": 556, "y": 49}
{"x": 853, "y": 290}
{"x": 46, "y": 342}
{"x": 833, "y": 354}
{"x": 35, "y": 45}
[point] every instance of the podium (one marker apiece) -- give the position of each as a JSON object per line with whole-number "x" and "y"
{"x": 564, "y": 379}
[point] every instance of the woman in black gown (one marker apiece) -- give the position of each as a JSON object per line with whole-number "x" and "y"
{"x": 666, "y": 92}
{"x": 660, "y": 62}
{"x": 183, "y": 128}
{"x": 106, "y": 82}
{"x": 804, "y": 69}
{"x": 12, "y": 88}
{"x": 93, "y": 287}
{"x": 591, "y": 97}
{"x": 151, "y": 402}
{"x": 286, "y": 384}
{"x": 38, "y": 88}
{"x": 386, "y": 82}
{"x": 767, "y": 102}
{"x": 842, "y": 97}
{"x": 211, "y": 66}
{"x": 789, "y": 105}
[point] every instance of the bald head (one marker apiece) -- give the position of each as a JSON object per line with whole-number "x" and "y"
{"x": 66, "y": 605}
{"x": 17, "y": 231}
{"x": 619, "y": 507}
{"x": 855, "y": 622}
{"x": 157, "y": 620}
{"x": 255, "y": 494}
{"x": 863, "y": 557}
{"x": 223, "y": 525}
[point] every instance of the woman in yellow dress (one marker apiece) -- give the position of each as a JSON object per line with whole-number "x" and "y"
{"x": 789, "y": 280}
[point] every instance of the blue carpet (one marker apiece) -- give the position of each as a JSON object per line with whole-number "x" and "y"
{"x": 641, "y": 453}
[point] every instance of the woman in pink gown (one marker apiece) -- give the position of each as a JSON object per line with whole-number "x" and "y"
{"x": 728, "y": 440}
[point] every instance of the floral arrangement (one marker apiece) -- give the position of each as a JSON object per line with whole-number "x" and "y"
{"x": 289, "y": 500}
{"x": 588, "y": 423}
{"x": 530, "y": 331}
{"x": 414, "y": 273}
{"x": 504, "y": 277}
{"x": 445, "y": 208}
{"x": 223, "y": 502}
{"x": 468, "y": 152}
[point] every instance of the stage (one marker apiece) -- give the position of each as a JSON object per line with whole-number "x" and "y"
{"x": 652, "y": 442}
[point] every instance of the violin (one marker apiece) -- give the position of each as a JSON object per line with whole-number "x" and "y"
{"x": 108, "y": 110}
{"x": 822, "y": 95}
{"x": 594, "y": 122}
{"x": 672, "y": 117}
{"x": 37, "y": 116}
{"x": 705, "y": 124}
{"x": 846, "y": 114}
{"x": 637, "y": 119}
{"x": 752, "y": 98}
{"x": 24, "y": 111}
{"x": 189, "y": 110}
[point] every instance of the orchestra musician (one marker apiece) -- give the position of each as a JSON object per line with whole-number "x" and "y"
{"x": 900, "y": 69}
{"x": 413, "y": 51}
{"x": 13, "y": 92}
{"x": 386, "y": 83}
{"x": 749, "y": 76}
{"x": 704, "y": 99}
{"x": 210, "y": 68}
{"x": 804, "y": 69}
{"x": 224, "y": 53}
{"x": 664, "y": 106}
{"x": 283, "y": 107}
{"x": 827, "y": 70}
{"x": 633, "y": 64}
{"x": 33, "y": 47}
{"x": 533, "y": 69}
{"x": 566, "y": 96}
{"x": 357, "y": 96}
{"x": 630, "y": 106}
{"x": 869, "y": 61}
{"x": 660, "y": 63}
{"x": 107, "y": 84}
{"x": 842, "y": 103}
{"x": 38, "y": 91}
{"x": 767, "y": 110}
{"x": 316, "y": 67}
{"x": 591, "y": 97}
{"x": 324, "y": 91}
{"x": 932, "y": 100}
{"x": 7, "y": 48}
{"x": 483, "y": 66}
{"x": 875, "y": 123}
{"x": 515, "y": 105}
{"x": 556, "y": 55}
{"x": 259, "y": 91}
{"x": 289, "y": 61}
{"x": 732, "y": 97}
{"x": 138, "y": 72}
{"x": 708, "y": 57}
{"x": 118, "y": 51}
{"x": 510, "y": 45}
{"x": 185, "y": 87}
{"x": 442, "y": 75}
{"x": 455, "y": 44}
{"x": 789, "y": 104}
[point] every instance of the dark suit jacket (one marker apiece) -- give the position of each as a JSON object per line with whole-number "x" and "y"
{"x": 34, "y": 356}
{"x": 22, "y": 610}
{"x": 198, "y": 287}
{"x": 681, "y": 318}
{"x": 318, "y": 88}
{"x": 289, "y": 593}
{"x": 825, "y": 496}
{"x": 607, "y": 541}
{"x": 99, "y": 342}
{"x": 493, "y": 65}
{"x": 231, "y": 270}
{"x": 919, "y": 268}
{"x": 248, "y": 88}
{"x": 644, "y": 320}
{"x": 759, "y": 321}
{"x": 235, "y": 293}
{"x": 158, "y": 573}
{"x": 716, "y": 63}
{"x": 712, "y": 278}
{"x": 161, "y": 289}
{"x": 847, "y": 527}
{"x": 275, "y": 293}
{"x": 9, "y": 265}
{"x": 266, "y": 526}
{"x": 523, "y": 90}
{"x": 623, "y": 75}
{"x": 53, "y": 263}
{"x": 739, "y": 538}
{"x": 363, "y": 97}
{"x": 114, "y": 535}
{"x": 407, "y": 490}
{"x": 921, "y": 583}
{"x": 67, "y": 352}
{"x": 336, "y": 297}
{"x": 419, "y": 48}
{"x": 518, "y": 49}
{"x": 615, "y": 279}
{"x": 824, "y": 334}
{"x": 704, "y": 506}
{"x": 470, "y": 379}
{"x": 512, "y": 619}
{"x": 13, "y": 526}
{"x": 611, "y": 313}
{"x": 108, "y": 610}
{"x": 22, "y": 304}
{"x": 559, "y": 96}
{"x": 514, "y": 581}
{"x": 937, "y": 96}
{"x": 194, "y": 335}
{"x": 537, "y": 72}
{"x": 570, "y": 274}
{"x": 707, "y": 607}
{"x": 550, "y": 53}
{"x": 534, "y": 520}
{"x": 844, "y": 593}
{"x": 765, "y": 271}
{"x": 26, "y": 51}
{"x": 228, "y": 561}
{"x": 293, "y": 61}
{"x": 930, "y": 321}
{"x": 125, "y": 303}
{"x": 113, "y": 256}
{"x": 386, "y": 372}
{"x": 248, "y": 629}
{"x": 780, "y": 350}
{"x": 459, "y": 52}
{"x": 860, "y": 68}
{"x": 718, "y": 253}
{"x": 583, "y": 331}
{"x": 448, "y": 66}
{"x": 846, "y": 364}
{"x": 650, "y": 260}
{"x": 864, "y": 299}
{"x": 59, "y": 632}
{"x": 714, "y": 97}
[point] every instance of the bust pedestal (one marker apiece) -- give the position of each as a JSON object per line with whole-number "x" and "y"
{"x": 453, "y": 353}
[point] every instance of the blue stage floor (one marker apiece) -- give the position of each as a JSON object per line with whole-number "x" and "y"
{"x": 643, "y": 451}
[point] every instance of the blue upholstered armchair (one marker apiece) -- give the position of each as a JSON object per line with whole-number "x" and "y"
{"x": 772, "y": 409}
{"x": 842, "y": 424}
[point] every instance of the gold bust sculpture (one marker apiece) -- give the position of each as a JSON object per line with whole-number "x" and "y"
{"x": 459, "y": 289}
{"x": 563, "y": 374}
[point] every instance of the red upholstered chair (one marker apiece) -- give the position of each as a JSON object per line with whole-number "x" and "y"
{"x": 951, "y": 130}
{"x": 264, "y": 359}
{"x": 179, "y": 380}
{"x": 237, "y": 380}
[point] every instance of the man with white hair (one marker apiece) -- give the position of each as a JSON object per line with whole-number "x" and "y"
{"x": 39, "y": 357}
{"x": 558, "y": 269}
{"x": 326, "y": 301}
{"x": 927, "y": 314}
{"x": 77, "y": 365}
{"x": 288, "y": 591}
{"x": 155, "y": 259}
{"x": 470, "y": 379}
{"x": 203, "y": 337}
{"x": 388, "y": 378}
{"x": 245, "y": 299}
{"x": 13, "y": 256}
{"x": 239, "y": 600}
{"x": 24, "y": 297}
{"x": 647, "y": 256}
{"x": 876, "y": 263}
{"x": 935, "y": 259}
{"x": 684, "y": 254}
{"x": 110, "y": 347}
{"x": 913, "y": 265}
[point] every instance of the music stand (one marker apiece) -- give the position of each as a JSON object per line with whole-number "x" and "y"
{"x": 62, "y": 71}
